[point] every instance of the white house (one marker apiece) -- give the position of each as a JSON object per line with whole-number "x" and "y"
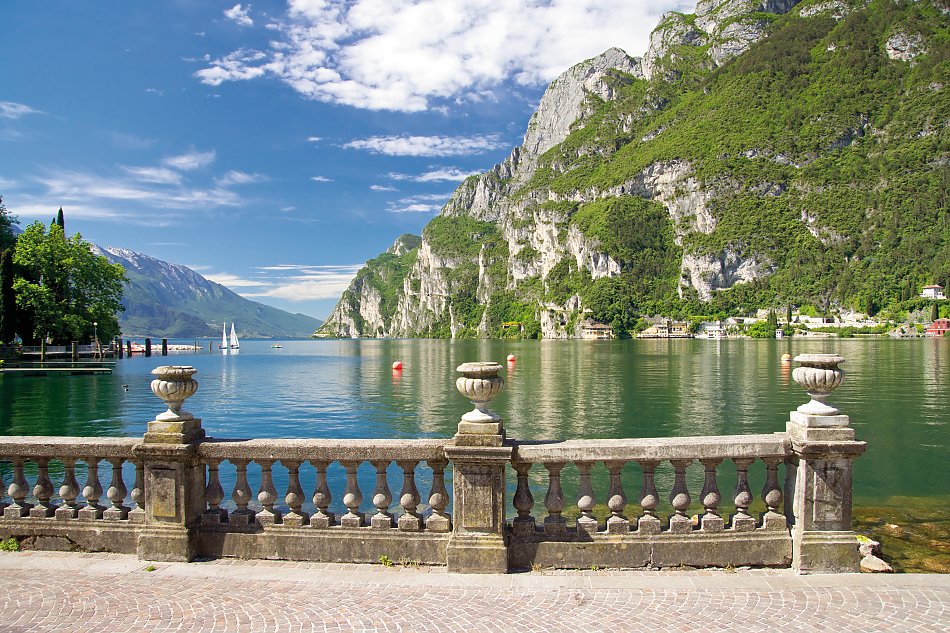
{"x": 933, "y": 291}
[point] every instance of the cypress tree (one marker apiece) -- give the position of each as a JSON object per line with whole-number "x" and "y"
{"x": 60, "y": 220}
{"x": 934, "y": 312}
{"x": 7, "y": 298}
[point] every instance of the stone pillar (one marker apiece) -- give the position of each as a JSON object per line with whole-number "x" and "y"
{"x": 479, "y": 455}
{"x": 818, "y": 477}
{"x": 174, "y": 477}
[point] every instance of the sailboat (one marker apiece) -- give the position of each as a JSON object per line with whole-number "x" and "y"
{"x": 224, "y": 337}
{"x": 235, "y": 344}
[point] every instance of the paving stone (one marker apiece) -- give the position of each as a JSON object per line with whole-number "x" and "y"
{"x": 75, "y": 593}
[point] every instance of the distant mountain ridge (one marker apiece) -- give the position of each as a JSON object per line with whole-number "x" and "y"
{"x": 171, "y": 300}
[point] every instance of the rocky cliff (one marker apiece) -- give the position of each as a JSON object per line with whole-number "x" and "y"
{"x": 757, "y": 154}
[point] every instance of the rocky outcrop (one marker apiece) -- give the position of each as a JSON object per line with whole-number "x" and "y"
{"x": 538, "y": 236}
{"x": 904, "y": 46}
{"x": 708, "y": 273}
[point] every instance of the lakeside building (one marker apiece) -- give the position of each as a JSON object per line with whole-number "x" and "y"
{"x": 595, "y": 331}
{"x": 711, "y": 330}
{"x": 940, "y": 327}
{"x": 670, "y": 329}
{"x": 933, "y": 291}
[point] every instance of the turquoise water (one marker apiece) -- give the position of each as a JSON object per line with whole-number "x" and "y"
{"x": 896, "y": 393}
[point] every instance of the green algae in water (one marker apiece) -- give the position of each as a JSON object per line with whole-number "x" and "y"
{"x": 914, "y": 532}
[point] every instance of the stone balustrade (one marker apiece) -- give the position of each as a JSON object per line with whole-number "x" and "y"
{"x": 177, "y": 508}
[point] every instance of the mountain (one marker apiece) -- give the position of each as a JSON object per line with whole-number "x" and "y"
{"x": 760, "y": 154}
{"x": 170, "y": 300}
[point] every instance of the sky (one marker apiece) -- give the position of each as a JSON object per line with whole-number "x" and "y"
{"x": 271, "y": 146}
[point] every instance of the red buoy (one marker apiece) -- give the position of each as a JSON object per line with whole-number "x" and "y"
{"x": 397, "y": 366}
{"x": 511, "y": 358}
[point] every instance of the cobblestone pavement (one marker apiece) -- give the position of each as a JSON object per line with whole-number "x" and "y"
{"x": 48, "y": 591}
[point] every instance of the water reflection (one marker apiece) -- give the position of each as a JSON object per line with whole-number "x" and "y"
{"x": 895, "y": 392}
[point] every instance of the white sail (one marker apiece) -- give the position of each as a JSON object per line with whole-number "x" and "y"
{"x": 234, "y": 339}
{"x": 224, "y": 336}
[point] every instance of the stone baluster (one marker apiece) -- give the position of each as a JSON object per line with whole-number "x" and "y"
{"x": 294, "y": 498}
{"x": 43, "y": 491}
{"x": 616, "y": 500}
{"x": 586, "y": 499}
{"x": 712, "y": 521}
{"x": 3, "y": 504}
{"x": 137, "y": 514}
{"x": 523, "y": 501}
{"x": 382, "y": 497}
{"x": 322, "y": 497}
{"x": 69, "y": 491}
{"x": 742, "y": 521}
{"x": 649, "y": 523}
{"x": 92, "y": 491}
{"x": 243, "y": 516}
{"x": 772, "y": 519}
{"x": 116, "y": 493}
{"x": 18, "y": 490}
{"x": 352, "y": 497}
{"x": 214, "y": 495}
{"x": 411, "y": 520}
{"x": 267, "y": 496}
{"x": 439, "y": 520}
{"x": 679, "y": 498}
{"x": 554, "y": 523}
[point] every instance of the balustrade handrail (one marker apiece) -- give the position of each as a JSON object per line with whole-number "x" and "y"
{"x": 54, "y": 447}
{"x": 654, "y": 449}
{"x": 323, "y": 449}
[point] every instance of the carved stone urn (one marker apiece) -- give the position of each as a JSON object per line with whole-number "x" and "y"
{"x": 174, "y": 384}
{"x": 480, "y": 383}
{"x": 819, "y": 375}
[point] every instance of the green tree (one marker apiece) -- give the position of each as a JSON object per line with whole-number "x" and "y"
{"x": 7, "y": 220}
{"x": 772, "y": 320}
{"x": 7, "y": 298}
{"x": 64, "y": 287}
{"x": 60, "y": 220}
{"x": 934, "y": 311}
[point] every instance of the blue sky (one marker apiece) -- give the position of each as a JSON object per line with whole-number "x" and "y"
{"x": 275, "y": 146}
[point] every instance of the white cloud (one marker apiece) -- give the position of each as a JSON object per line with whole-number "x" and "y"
{"x": 314, "y": 139}
{"x": 239, "y": 15}
{"x": 320, "y": 179}
{"x": 438, "y": 174}
{"x": 428, "y": 145}
{"x": 159, "y": 175}
{"x": 11, "y": 110}
{"x": 415, "y": 208}
{"x": 406, "y": 55}
{"x": 294, "y": 282}
{"x": 190, "y": 160}
{"x": 233, "y": 281}
{"x": 382, "y": 188}
{"x": 155, "y": 91}
{"x": 239, "y": 178}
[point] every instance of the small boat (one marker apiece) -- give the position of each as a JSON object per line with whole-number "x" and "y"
{"x": 276, "y": 346}
{"x": 224, "y": 336}
{"x": 234, "y": 339}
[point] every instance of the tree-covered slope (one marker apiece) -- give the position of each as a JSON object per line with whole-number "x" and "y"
{"x": 751, "y": 159}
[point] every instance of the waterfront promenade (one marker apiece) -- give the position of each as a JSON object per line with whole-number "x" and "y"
{"x": 56, "y": 591}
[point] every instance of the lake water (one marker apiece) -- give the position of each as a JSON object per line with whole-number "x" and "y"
{"x": 896, "y": 392}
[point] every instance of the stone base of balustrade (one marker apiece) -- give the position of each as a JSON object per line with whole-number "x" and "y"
{"x": 826, "y": 552}
{"x": 477, "y": 554}
{"x": 581, "y": 550}
{"x": 55, "y": 534}
{"x": 330, "y": 545}
{"x": 169, "y": 544}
